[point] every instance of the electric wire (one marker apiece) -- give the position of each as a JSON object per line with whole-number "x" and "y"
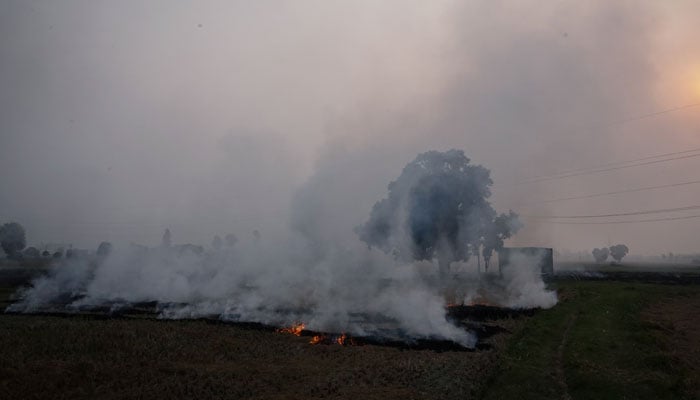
{"x": 632, "y": 190}
{"x": 595, "y": 169}
{"x": 623, "y": 214}
{"x": 601, "y": 170}
{"x": 620, "y": 222}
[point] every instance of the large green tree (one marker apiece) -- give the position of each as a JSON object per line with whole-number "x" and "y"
{"x": 438, "y": 208}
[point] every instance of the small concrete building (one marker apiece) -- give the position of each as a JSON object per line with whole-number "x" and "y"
{"x": 543, "y": 256}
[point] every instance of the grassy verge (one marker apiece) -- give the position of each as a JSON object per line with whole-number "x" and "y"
{"x": 593, "y": 345}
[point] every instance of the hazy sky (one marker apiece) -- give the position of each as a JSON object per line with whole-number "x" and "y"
{"x": 121, "y": 118}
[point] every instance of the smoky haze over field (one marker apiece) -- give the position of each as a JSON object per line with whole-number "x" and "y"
{"x": 118, "y": 120}
{"x": 329, "y": 284}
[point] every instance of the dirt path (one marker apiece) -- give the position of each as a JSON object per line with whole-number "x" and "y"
{"x": 559, "y": 362}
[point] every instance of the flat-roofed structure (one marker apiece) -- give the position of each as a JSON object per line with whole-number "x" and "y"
{"x": 542, "y": 256}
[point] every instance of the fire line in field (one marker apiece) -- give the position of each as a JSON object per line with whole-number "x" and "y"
{"x": 298, "y": 328}
{"x": 295, "y": 329}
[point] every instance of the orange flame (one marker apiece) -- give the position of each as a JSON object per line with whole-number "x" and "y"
{"x": 297, "y": 329}
{"x": 341, "y": 339}
{"x": 294, "y": 329}
{"x": 317, "y": 339}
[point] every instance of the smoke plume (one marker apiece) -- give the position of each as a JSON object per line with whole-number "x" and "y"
{"x": 330, "y": 283}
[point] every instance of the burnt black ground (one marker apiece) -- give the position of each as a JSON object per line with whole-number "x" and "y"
{"x": 130, "y": 354}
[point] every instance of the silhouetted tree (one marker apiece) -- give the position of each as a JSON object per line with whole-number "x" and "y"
{"x": 104, "y": 249}
{"x": 188, "y": 248}
{"x": 46, "y": 254}
{"x": 166, "y": 241}
{"x": 231, "y": 240}
{"x": 217, "y": 243}
{"x": 619, "y": 251}
{"x": 474, "y": 250}
{"x": 58, "y": 254}
{"x": 438, "y": 208}
{"x": 502, "y": 228}
{"x": 31, "y": 252}
{"x": 601, "y": 255}
{"x": 12, "y": 239}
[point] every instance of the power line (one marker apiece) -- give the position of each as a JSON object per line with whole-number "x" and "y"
{"x": 649, "y": 115}
{"x": 634, "y": 190}
{"x": 621, "y": 222}
{"x": 620, "y": 122}
{"x": 645, "y": 212}
{"x": 611, "y": 164}
{"x": 600, "y": 170}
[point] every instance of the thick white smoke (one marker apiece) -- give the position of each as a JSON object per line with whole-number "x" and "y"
{"x": 524, "y": 286}
{"x": 348, "y": 290}
{"x": 317, "y": 272}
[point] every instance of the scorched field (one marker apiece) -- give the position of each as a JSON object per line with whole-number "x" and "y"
{"x": 605, "y": 339}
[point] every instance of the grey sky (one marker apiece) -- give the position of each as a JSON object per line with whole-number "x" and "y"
{"x": 118, "y": 119}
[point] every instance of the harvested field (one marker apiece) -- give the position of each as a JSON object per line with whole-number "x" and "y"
{"x": 677, "y": 321}
{"x": 84, "y": 357}
{"x": 606, "y": 337}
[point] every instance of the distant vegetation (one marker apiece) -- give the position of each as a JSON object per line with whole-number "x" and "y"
{"x": 617, "y": 252}
{"x": 601, "y": 255}
{"x": 13, "y": 242}
{"x": 12, "y": 239}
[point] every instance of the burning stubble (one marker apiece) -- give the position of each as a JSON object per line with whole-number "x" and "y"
{"x": 302, "y": 280}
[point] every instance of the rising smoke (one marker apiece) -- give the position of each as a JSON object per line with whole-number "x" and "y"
{"x": 329, "y": 283}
